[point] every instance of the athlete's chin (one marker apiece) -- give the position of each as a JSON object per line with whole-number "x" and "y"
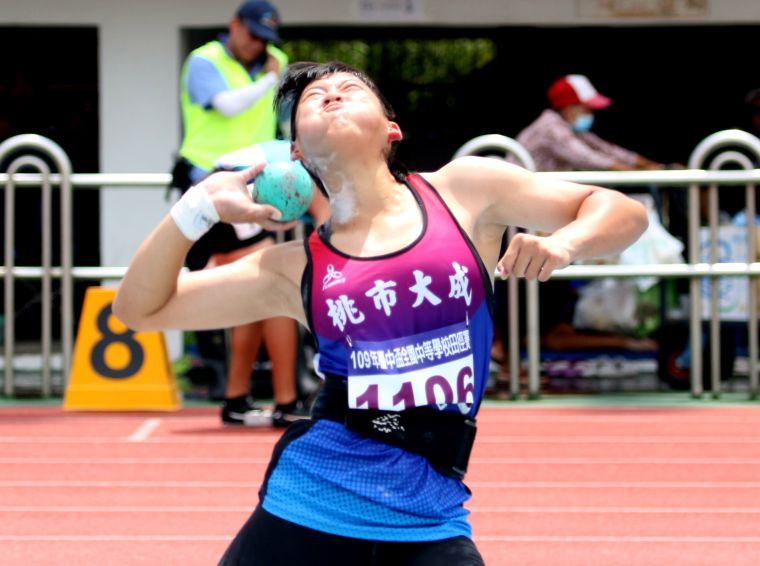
{"x": 339, "y": 133}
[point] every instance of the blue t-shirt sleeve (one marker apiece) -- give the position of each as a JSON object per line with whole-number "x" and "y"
{"x": 204, "y": 81}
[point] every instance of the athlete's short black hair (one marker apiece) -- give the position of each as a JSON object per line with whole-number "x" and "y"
{"x": 301, "y": 74}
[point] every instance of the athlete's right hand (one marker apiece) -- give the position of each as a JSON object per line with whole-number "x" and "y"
{"x": 233, "y": 202}
{"x": 534, "y": 257}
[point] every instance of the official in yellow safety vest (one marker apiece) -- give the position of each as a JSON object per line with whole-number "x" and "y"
{"x": 227, "y": 88}
{"x": 227, "y": 93}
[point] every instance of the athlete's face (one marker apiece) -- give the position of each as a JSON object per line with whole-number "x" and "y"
{"x": 339, "y": 114}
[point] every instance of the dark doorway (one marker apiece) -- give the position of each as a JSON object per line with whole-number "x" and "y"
{"x": 671, "y": 85}
{"x": 49, "y": 86}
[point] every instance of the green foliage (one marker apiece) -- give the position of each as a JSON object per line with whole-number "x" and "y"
{"x": 415, "y": 61}
{"x": 417, "y": 70}
{"x": 354, "y": 53}
{"x": 181, "y": 365}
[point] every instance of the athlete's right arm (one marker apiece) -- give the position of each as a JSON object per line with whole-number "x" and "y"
{"x": 154, "y": 295}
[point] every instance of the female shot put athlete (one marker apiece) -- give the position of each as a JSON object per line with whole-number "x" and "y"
{"x": 396, "y": 289}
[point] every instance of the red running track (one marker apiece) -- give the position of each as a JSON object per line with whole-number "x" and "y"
{"x": 551, "y": 486}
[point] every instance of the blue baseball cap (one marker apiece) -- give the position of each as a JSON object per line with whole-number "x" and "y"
{"x": 262, "y": 20}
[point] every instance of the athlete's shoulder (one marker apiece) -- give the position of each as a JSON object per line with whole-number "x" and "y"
{"x": 471, "y": 173}
{"x": 292, "y": 251}
{"x": 287, "y": 260}
{"x": 453, "y": 173}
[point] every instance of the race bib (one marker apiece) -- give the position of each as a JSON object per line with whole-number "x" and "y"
{"x": 432, "y": 368}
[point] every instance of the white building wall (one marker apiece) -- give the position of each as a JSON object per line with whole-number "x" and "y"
{"x": 140, "y": 59}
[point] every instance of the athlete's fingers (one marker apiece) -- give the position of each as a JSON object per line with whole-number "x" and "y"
{"x": 548, "y": 268}
{"x": 525, "y": 255}
{"x": 272, "y": 223}
{"x": 262, "y": 212}
{"x": 506, "y": 264}
{"x": 501, "y": 268}
{"x": 533, "y": 269}
{"x": 532, "y": 257}
{"x": 249, "y": 174}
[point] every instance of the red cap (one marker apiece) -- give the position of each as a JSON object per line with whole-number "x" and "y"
{"x": 576, "y": 89}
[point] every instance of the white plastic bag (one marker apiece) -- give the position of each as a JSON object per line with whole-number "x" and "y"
{"x": 607, "y": 305}
{"x": 655, "y": 246}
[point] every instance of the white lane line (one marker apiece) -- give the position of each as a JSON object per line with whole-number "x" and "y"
{"x": 565, "y": 539}
{"x": 144, "y": 430}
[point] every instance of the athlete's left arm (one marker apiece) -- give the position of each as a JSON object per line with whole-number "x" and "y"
{"x": 583, "y": 221}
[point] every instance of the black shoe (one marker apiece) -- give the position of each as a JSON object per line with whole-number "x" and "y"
{"x": 285, "y": 415}
{"x": 247, "y": 413}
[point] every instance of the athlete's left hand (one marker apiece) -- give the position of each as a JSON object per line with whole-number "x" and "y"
{"x": 533, "y": 257}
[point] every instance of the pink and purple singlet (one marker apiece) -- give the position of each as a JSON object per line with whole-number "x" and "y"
{"x": 408, "y": 329}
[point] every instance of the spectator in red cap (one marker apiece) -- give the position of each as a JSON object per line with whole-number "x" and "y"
{"x": 560, "y": 138}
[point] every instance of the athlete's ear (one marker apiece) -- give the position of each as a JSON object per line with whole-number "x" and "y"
{"x": 295, "y": 151}
{"x": 394, "y": 132}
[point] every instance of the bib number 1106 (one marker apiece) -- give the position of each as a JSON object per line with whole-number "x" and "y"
{"x": 413, "y": 389}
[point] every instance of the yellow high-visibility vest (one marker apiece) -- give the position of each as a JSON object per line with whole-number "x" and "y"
{"x": 209, "y": 134}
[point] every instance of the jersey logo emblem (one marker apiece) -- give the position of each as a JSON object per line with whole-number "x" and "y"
{"x": 333, "y": 277}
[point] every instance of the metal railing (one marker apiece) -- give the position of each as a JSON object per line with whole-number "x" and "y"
{"x": 61, "y": 160}
{"x": 694, "y": 177}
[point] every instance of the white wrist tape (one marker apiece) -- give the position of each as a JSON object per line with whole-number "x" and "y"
{"x": 194, "y": 214}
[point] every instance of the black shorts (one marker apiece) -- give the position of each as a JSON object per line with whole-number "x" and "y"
{"x": 220, "y": 239}
{"x": 266, "y": 540}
